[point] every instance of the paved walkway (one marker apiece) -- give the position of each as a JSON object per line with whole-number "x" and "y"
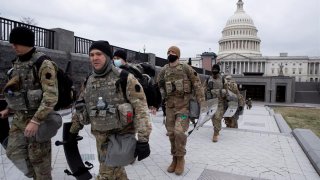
{"x": 257, "y": 150}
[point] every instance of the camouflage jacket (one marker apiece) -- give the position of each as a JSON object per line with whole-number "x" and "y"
{"x": 136, "y": 97}
{"x": 45, "y": 79}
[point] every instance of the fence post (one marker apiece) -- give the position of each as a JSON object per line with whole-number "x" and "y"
{"x": 63, "y": 40}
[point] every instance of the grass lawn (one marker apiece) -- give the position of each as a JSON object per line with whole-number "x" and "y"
{"x": 296, "y": 117}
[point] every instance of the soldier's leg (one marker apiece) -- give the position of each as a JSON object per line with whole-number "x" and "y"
{"x": 180, "y": 131}
{"x": 40, "y": 158}
{"x": 228, "y": 122}
{"x": 17, "y": 151}
{"x": 170, "y": 123}
{"x": 216, "y": 120}
{"x": 107, "y": 172}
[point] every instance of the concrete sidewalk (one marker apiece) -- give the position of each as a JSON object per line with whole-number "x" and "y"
{"x": 257, "y": 150}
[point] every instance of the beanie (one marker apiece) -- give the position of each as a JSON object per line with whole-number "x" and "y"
{"x": 103, "y": 46}
{"x": 175, "y": 49}
{"x": 22, "y": 36}
{"x": 216, "y": 66}
{"x": 121, "y": 53}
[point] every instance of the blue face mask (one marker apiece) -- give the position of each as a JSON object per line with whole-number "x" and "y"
{"x": 117, "y": 62}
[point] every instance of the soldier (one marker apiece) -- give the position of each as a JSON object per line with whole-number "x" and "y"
{"x": 231, "y": 85}
{"x": 104, "y": 92}
{"x": 214, "y": 88}
{"x": 176, "y": 81}
{"x": 31, "y": 94}
{"x": 249, "y": 103}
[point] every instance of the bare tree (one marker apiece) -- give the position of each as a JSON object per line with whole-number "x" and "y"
{"x": 28, "y": 20}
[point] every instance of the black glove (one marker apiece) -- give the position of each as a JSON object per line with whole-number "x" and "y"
{"x": 72, "y": 137}
{"x": 240, "y": 108}
{"x": 142, "y": 150}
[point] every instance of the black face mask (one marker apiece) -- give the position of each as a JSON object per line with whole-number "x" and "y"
{"x": 172, "y": 58}
{"x": 215, "y": 72}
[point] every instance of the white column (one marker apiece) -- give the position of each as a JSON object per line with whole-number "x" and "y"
{"x": 314, "y": 68}
{"x": 261, "y": 67}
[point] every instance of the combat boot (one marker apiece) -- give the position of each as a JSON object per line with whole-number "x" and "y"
{"x": 173, "y": 165}
{"x": 180, "y": 165}
{"x": 215, "y": 137}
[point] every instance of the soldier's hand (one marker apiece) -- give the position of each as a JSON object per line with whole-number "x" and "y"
{"x": 31, "y": 129}
{"x": 4, "y": 113}
{"x": 142, "y": 150}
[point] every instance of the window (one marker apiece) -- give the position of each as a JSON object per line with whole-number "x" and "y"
{"x": 294, "y": 64}
{"x": 299, "y": 79}
{"x": 300, "y": 70}
{"x": 272, "y": 70}
{"x": 300, "y": 64}
{"x": 311, "y": 79}
{"x": 286, "y": 70}
{"x": 316, "y": 79}
{"x": 293, "y": 70}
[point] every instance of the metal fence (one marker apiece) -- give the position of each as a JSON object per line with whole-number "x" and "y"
{"x": 43, "y": 37}
{"x": 82, "y": 46}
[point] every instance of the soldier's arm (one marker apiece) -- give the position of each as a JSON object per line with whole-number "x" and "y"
{"x": 49, "y": 83}
{"x": 196, "y": 83}
{"x": 137, "y": 98}
{"x": 76, "y": 125}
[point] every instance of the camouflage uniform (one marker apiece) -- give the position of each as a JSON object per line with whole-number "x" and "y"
{"x": 216, "y": 91}
{"x": 249, "y": 103}
{"x": 107, "y": 87}
{"x": 232, "y": 122}
{"x": 41, "y": 89}
{"x": 177, "y": 83}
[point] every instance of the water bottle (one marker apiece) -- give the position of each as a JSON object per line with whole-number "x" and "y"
{"x": 101, "y": 104}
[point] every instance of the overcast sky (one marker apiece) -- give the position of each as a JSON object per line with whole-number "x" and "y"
{"x": 194, "y": 26}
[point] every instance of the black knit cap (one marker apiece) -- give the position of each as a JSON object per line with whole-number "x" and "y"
{"x": 22, "y": 36}
{"x": 103, "y": 46}
{"x": 216, "y": 66}
{"x": 121, "y": 53}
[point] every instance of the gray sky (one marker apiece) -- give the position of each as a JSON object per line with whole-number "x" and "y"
{"x": 195, "y": 26}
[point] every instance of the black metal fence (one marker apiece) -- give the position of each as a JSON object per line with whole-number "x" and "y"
{"x": 43, "y": 37}
{"x": 82, "y": 46}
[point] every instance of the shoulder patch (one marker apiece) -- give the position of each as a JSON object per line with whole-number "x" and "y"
{"x": 137, "y": 87}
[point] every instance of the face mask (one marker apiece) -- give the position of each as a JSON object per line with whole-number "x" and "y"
{"x": 172, "y": 58}
{"x": 117, "y": 62}
{"x": 215, "y": 72}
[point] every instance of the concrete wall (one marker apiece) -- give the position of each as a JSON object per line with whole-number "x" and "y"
{"x": 307, "y": 92}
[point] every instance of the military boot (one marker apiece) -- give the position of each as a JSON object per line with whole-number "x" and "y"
{"x": 173, "y": 165}
{"x": 215, "y": 137}
{"x": 180, "y": 165}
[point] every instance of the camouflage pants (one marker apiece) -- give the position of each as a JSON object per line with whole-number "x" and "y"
{"x": 29, "y": 156}
{"x": 217, "y": 118}
{"x": 177, "y": 125}
{"x": 231, "y": 122}
{"x": 107, "y": 172}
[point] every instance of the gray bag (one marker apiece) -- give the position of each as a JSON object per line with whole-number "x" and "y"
{"x": 120, "y": 151}
{"x": 49, "y": 127}
{"x": 194, "y": 109}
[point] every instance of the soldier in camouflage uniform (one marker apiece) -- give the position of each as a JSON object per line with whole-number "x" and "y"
{"x": 231, "y": 85}
{"x": 31, "y": 94}
{"x": 104, "y": 83}
{"x": 214, "y": 88}
{"x": 176, "y": 81}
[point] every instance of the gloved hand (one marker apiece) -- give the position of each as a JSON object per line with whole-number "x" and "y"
{"x": 72, "y": 137}
{"x": 142, "y": 150}
{"x": 240, "y": 108}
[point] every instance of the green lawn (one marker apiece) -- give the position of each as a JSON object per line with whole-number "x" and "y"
{"x": 296, "y": 117}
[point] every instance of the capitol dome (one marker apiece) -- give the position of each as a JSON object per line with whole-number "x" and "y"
{"x": 239, "y": 35}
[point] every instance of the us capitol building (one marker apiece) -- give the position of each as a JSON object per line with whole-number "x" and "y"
{"x": 239, "y": 53}
{"x": 271, "y": 79}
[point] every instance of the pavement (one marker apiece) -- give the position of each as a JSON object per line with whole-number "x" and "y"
{"x": 257, "y": 150}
